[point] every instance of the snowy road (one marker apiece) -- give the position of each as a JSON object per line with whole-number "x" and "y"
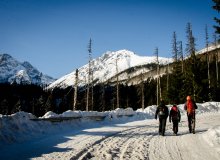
{"x": 134, "y": 140}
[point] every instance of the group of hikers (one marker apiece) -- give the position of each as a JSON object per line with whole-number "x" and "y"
{"x": 174, "y": 115}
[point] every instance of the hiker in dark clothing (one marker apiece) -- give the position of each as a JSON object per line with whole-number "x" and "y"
{"x": 190, "y": 106}
{"x": 162, "y": 112}
{"x": 175, "y": 117}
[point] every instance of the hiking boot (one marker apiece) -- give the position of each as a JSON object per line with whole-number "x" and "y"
{"x": 193, "y": 131}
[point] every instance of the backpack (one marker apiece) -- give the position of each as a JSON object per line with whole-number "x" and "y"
{"x": 190, "y": 107}
{"x": 161, "y": 111}
{"x": 175, "y": 114}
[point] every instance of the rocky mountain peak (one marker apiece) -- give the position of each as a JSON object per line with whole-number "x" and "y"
{"x": 12, "y": 71}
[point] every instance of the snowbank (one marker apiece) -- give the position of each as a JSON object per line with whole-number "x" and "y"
{"x": 122, "y": 112}
{"x": 74, "y": 114}
{"x": 149, "y": 112}
{"x": 50, "y": 114}
{"x": 15, "y": 126}
{"x": 212, "y": 137}
{"x": 20, "y": 126}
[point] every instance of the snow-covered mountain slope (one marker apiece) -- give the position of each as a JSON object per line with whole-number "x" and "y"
{"x": 12, "y": 71}
{"x": 104, "y": 67}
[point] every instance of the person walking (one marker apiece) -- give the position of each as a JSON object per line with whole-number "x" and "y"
{"x": 162, "y": 112}
{"x": 190, "y": 107}
{"x": 175, "y": 116}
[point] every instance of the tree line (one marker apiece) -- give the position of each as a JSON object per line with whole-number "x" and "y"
{"x": 174, "y": 88}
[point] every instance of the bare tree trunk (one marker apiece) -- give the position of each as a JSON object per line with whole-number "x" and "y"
{"x": 157, "y": 62}
{"x": 117, "y": 84}
{"x": 209, "y": 81}
{"x": 87, "y": 94}
{"x": 89, "y": 75}
{"x": 103, "y": 97}
{"x": 75, "y": 90}
{"x": 216, "y": 63}
{"x": 181, "y": 55}
{"x": 113, "y": 104}
{"x": 127, "y": 98}
{"x": 216, "y": 59}
{"x": 92, "y": 103}
{"x": 157, "y": 90}
{"x": 168, "y": 76}
{"x": 142, "y": 92}
{"x": 160, "y": 88}
{"x": 208, "y": 60}
{"x": 87, "y": 98}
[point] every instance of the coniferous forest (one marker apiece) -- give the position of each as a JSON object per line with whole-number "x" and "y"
{"x": 174, "y": 88}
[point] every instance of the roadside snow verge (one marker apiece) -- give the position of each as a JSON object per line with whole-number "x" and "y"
{"x": 212, "y": 137}
{"x": 22, "y": 126}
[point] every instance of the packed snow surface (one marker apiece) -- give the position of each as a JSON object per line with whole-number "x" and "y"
{"x": 122, "y": 134}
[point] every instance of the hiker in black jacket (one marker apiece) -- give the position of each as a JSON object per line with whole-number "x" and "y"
{"x": 162, "y": 112}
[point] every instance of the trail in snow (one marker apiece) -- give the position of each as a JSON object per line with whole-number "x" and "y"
{"x": 135, "y": 140}
{"x": 129, "y": 144}
{"x": 144, "y": 143}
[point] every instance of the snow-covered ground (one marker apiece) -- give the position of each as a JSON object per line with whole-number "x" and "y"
{"x": 123, "y": 134}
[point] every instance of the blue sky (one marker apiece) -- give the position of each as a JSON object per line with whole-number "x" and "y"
{"x": 53, "y": 35}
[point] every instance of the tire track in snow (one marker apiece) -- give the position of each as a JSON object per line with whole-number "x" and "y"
{"x": 132, "y": 143}
{"x": 85, "y": 152}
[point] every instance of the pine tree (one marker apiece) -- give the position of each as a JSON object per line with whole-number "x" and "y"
{"x": 40, "y": 106}
{"x": 193, "y": 84}
{"x": 180, "y": 55}
{"x": 48, "y": 104}
{"x": 174, "y": 48}
{"x": 16, "y": 107}
{"x": 190, "y": 86}
{"x": 4, "y": 107}
{"x": 175, "y": 78}
{"x": 217, "y": 20}
{"x": 173, "y": 88}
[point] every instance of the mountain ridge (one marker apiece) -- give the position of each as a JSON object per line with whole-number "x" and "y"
{"x": 104, "y": 67}
{"x": 13, "y": 71}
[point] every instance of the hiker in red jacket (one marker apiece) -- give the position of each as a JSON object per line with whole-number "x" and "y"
{"x": 190, "y": 106}
{"x": 175, "y": 117}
